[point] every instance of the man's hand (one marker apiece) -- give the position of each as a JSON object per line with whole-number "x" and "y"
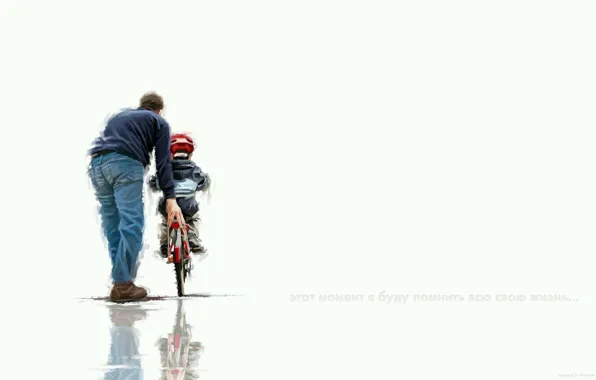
{"x": 174, "y": 212}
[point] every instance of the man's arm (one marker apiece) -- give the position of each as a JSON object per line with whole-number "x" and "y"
{"x": 162, "y": 159}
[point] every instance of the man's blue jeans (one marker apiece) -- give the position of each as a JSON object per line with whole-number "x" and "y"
{"x": 118, "y": 184}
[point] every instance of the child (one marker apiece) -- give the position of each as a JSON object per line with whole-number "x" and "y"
{"x": 188, "y": 179}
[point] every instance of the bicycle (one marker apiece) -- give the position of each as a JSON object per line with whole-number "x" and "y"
{"x": 179, "y": 254}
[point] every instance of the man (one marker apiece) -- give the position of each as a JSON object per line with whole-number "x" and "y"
{"x": 119, "y": 158}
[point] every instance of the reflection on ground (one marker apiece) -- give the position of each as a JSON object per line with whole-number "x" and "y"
{"x": 179, "y": 354}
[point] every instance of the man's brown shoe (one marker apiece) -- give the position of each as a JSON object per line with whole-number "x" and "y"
{"x": 127, "y": 291}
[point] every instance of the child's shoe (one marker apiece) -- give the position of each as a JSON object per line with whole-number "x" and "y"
{"x": 197, "y": 248}
{"x": 163, "y": 251}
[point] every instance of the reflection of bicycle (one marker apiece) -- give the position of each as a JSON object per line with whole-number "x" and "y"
{"x": 178, "y": 254}
{"x": 178, "y": 353}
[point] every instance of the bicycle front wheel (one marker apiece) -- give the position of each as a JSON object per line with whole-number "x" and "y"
{"x": 180, "y": 276}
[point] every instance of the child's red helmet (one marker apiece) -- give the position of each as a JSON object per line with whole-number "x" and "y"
{"x": 181, "y": 142}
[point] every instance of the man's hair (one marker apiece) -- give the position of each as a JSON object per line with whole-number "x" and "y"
{"x": 151, "y": 101}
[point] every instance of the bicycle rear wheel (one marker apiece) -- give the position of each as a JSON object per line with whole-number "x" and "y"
{"x": 180, "y": 271}
{"x": 179, "y": 255}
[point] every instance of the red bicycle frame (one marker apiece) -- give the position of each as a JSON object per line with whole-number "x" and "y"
{"x": 178, "y": 238}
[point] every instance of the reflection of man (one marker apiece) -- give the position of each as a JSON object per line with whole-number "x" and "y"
{"x": 179, "y": 355}
{"x": 124, "y": 360}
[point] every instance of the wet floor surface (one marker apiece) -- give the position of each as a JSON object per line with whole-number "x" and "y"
{"x": 175, "y": 354}
{"x": 167, "y": 338}
{"x": 269, "y": 337}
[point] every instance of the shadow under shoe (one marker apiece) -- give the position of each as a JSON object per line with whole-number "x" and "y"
{"x": 127, "y": 291}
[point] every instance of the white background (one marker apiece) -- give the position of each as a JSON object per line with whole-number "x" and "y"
{"x": 356, "y": 147}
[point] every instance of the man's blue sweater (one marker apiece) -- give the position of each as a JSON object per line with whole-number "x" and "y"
{"x": 134, "y": 133}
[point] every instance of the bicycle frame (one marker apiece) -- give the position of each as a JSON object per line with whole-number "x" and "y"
{"x": 177, "y": 238}
{"x": 178, "y": 243}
